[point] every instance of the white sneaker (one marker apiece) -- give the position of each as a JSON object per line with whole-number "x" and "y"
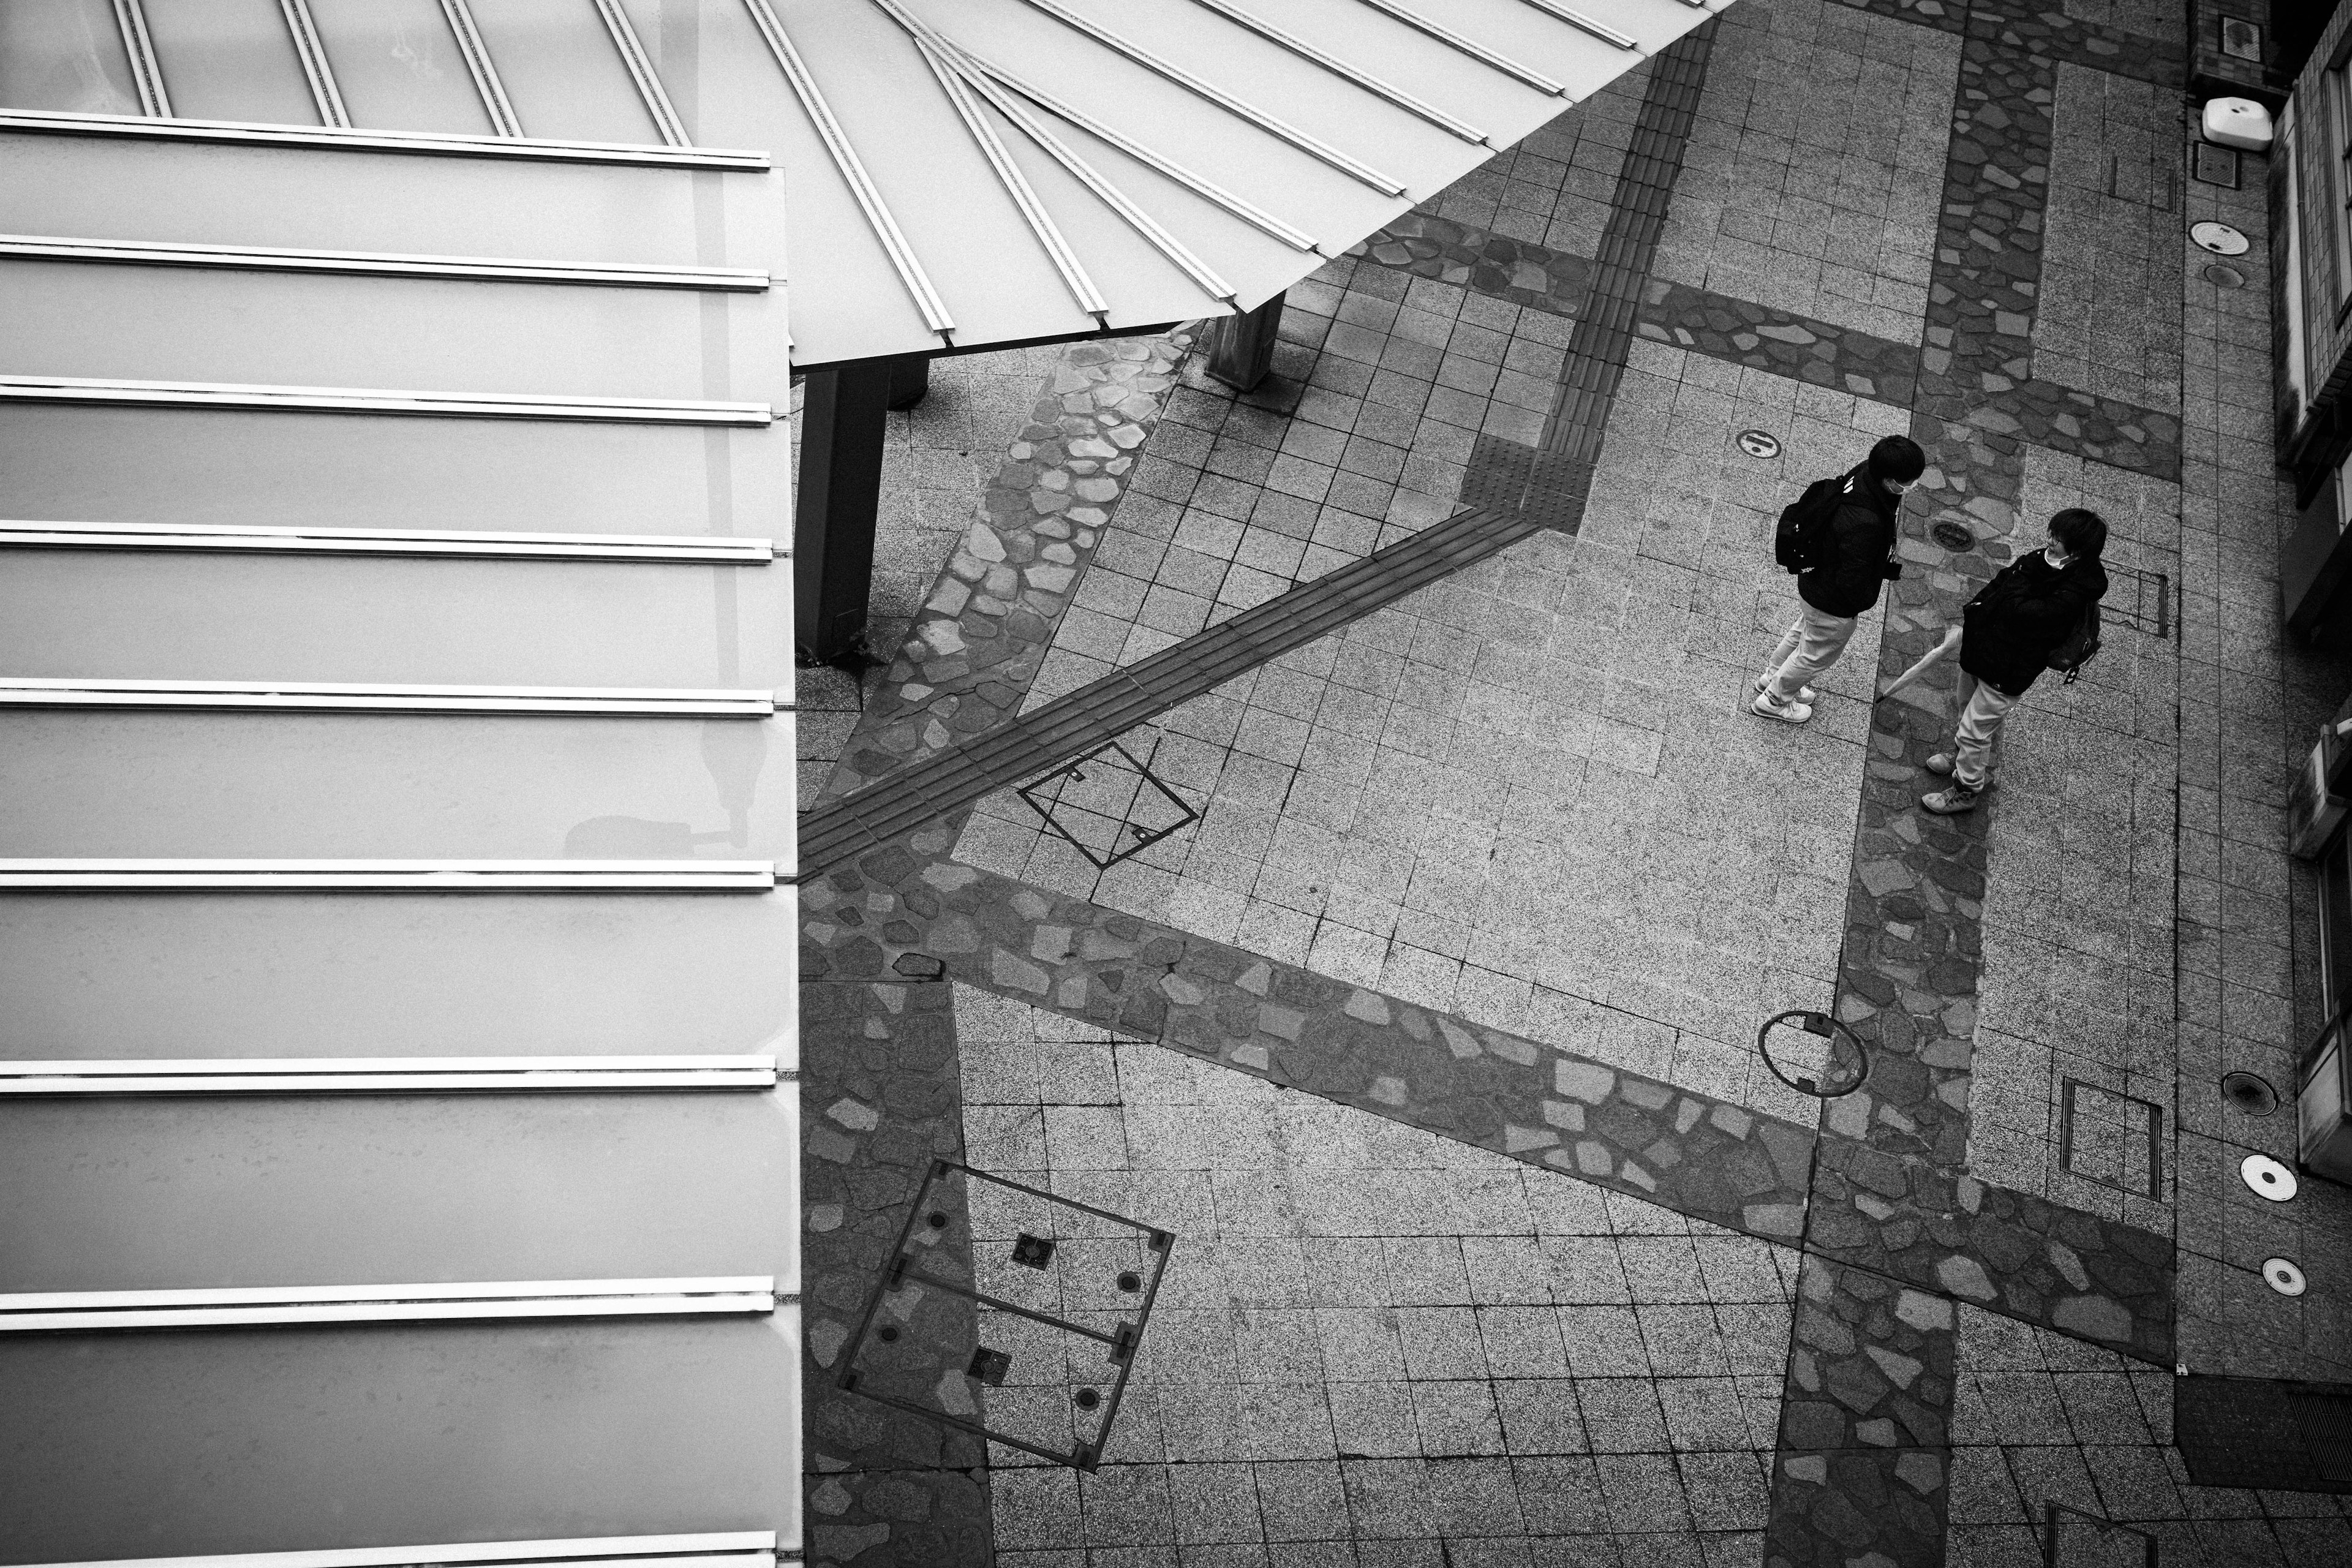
{"x": 1767, "y": 706}
{"x": 1804, "y": 693}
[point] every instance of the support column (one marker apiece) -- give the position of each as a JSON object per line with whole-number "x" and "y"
{"x": 910, "y": 381}
{"x": 1241, "y": 348}
{"x": 833, "y": 519}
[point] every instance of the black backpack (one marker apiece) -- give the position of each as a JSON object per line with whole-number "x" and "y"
{"x": 2077, "y": 648}
{"x": 1801, "y": 542}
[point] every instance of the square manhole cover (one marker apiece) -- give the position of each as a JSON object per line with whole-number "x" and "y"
{"x": 1109, "y": 803}
{"x": 2112, "y": 1138}
{"x": 1009, "y": 1313}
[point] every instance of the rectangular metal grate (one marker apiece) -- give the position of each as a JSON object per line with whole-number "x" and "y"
{"x": 2214, "y": 166}
{"x": 1009, "y": 1313}
{"x": 2269, "y": 1433}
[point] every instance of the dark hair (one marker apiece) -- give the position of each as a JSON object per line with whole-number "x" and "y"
{"x": 2081, "y": 531}
{"x": 1897, "y": 457}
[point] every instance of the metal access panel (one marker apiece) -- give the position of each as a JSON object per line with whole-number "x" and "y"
{"x": 2266, "y": 1433}
{"x": 397, "y": 667}
{"x": 1011, "y": 1313}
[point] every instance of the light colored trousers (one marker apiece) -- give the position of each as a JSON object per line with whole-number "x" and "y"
{"x": 1981, "y": 710}
{"x": 1810, "y": 647}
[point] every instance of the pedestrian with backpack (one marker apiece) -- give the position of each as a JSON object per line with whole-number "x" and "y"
{"x": 1838, "y": 539}
{"x": 2040, "y": 612}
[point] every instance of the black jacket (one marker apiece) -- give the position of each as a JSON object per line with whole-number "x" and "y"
{"x": 1862, "y": 541}
{"x": 2018, "y": 618}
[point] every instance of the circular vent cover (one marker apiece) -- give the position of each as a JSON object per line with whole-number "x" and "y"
{"x": 1952, "y": 535}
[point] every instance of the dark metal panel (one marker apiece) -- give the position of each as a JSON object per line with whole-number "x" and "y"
{"x": 180, "y": 1193}
{"x": 237, "y": 1441}
{"x": 109, "y": 975}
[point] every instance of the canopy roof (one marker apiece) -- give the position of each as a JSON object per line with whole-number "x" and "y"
{"x": 959, "y": 173}
{"x": 969, "y": 172}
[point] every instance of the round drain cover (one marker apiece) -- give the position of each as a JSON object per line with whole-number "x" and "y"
{"x": 1952, "y": 535}
{"x": 1813, "y": 1053}
{"x": 1757, "y": 443}
{"x": 2223, "y": 276}
{"x": 1087, "y": 1399}
{"x": 2267, "y": 1177}
{"x": 2283, "y": 1277}
{"x": 2220, "y": 238}
{"x": 2249, "y": 1093}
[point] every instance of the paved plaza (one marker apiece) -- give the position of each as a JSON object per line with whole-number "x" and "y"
{"x": 1396, "y": 882}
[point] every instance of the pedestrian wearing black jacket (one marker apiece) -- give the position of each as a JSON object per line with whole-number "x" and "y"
{"x": 1858, "y": 557}
{"x": 2007, "y": 632}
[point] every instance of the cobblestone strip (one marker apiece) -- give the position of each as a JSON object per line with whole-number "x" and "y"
{"x": 1908, "y": 973}
{"x": 1495, "y": 265}
{"x": 1746, "y": 333}
{"x": 2050, "y": 32}
{"x": 977, "y": 642}
{"x": 906, "y": 911}
{"x": 879, "y": 1098}
{"x": 1866, "y": 1424}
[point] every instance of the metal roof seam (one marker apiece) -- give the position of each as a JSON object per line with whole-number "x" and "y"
{"x": 853, "y": 171}
{"x": 1584, "y": 24}
{"x": 504, "y": 120}
{"x": 1167, "y": 244}
{"x": 146, "y": 72}
{"x": 1208, "y": 190}
{"x": 312, "y": 54}
{"x": 641, "y": 71}
{"x": 1049, "y": 235}
{"x": 1314, "y": 147}
{"x": 1475, "y": 51}
{"x": 1346, "y": 72}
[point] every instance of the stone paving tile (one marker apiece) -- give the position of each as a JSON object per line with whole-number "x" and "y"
{"x": 1698, "y": 1155}
{"x": 1383, "y": 385}
{"x": 878, "y": 1103}
{"x": 1800, "y": 347}
{"x": 977, "y": 637}
{"x": 1372, "y": 1332}
{"x": 2248, "y": 707}
{"x": 2038, "y": 1418}
{"x": 1401, "y": 805}
{"x": 2111, "y": 282}
{"x": 1809, "y": 184}
{"x": 1554, "y": 188}
{"x": 1482, "y": 260}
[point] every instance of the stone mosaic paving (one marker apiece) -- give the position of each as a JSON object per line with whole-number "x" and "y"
{"x": 2001, "y": 448}
{"x": 1554, "y": 188}
{"x": 1398, "y": 804}
{"x": 1809, "y": 185}
{"x": 1373, "y": 1334}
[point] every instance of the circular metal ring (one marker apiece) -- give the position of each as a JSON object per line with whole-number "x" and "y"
{"x": 2267, "y": 1177}
{"x": 1846, "y": 1066}
{"x": 1952, "y": 535}
{"x": 2249, "y": 1094}
{"x": 2281, "y": 1275}
{"x": 1130, "y": 1282}
{"x": 1758, "y": 443}
{"x": 1087, "y": 1399}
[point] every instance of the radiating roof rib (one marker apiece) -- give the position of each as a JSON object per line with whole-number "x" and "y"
{"x": 1314, "y": 147}
{"x": 852, "y": 171}
{"x": 1249, "y": 212}
{"x": 1369, "y": 83}
{"x": 1475, "y": 51}
{"x": 1110, "y": 195}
